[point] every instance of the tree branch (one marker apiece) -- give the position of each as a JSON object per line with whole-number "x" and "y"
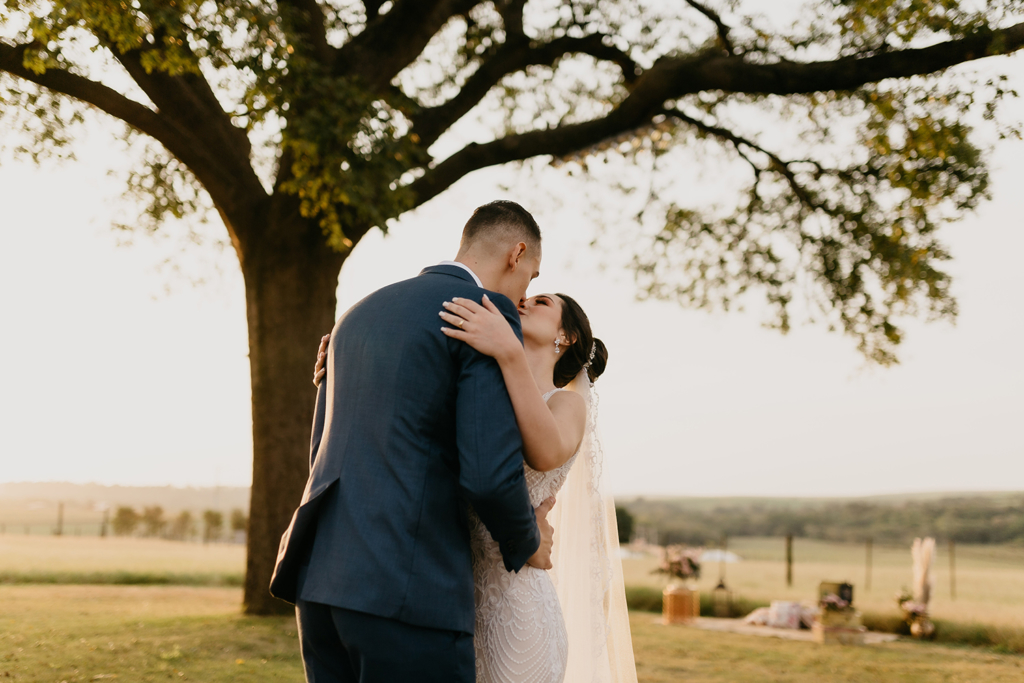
{"x": 136, "y": 115}
{"x": 671, "y": 78}
{"x": 174, "y": 135}
{"x": 393, "y": 41}
{"x": 738, "y": 142}
{"x": 721, "y": 27}
{"x": 634, "y": 112}
{"x": 510, "y": 57}
{"x": 512, "y": 15}
{"x": 189, "y": 101}
{"x": 689, "y": 75}
{"x": 309, "y": 21}
{"x": 372, "y": 8}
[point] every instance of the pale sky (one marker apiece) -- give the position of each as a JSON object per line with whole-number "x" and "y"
{"x": 118, "y": 371}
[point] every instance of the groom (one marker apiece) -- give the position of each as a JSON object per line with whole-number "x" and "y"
{"x": 410, "y": 426}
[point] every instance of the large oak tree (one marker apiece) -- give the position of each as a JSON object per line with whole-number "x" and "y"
{"x": 307, "y": 123}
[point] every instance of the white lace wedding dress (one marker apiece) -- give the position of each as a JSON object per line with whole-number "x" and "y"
{"x": 570, "y": 623}
{"x": 520, "y": 633}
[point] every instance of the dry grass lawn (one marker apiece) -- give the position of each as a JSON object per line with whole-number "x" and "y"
{"x": 50, "y": 634}
{"x": 672, "y": 653}
{"x": 25, "y": 554}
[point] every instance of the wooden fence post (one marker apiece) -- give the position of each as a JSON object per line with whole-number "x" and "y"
{"x": 789, "y": 559}
{"x": 867, "y": 570}
{"x": 952, "y": 570}
{"x": 60, "y": 520}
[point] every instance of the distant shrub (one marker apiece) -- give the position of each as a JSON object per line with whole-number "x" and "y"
{"x": 213, "y": 525}
{"x": 183, "y": 527}
{"x": 648, "y": 599}
{"x": 121, "y": 578}
{"x": 153, "y": 520}
{"x": 126, "y": 520}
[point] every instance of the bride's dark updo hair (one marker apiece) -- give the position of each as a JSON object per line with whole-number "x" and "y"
{"x": 573, "y": 357}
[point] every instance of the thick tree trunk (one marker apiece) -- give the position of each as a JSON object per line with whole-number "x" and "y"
{"x": 291, "y": 280}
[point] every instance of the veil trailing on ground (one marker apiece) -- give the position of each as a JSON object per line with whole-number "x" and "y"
{"x": 587, "y": 568}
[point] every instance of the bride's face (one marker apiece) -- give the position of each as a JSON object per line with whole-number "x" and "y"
{"x": 541, "y": 317}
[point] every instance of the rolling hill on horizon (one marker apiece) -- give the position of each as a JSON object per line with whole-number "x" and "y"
{"x": 222, "y": 497}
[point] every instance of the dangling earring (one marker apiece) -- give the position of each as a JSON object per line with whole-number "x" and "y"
{"x": 557, "y": 342}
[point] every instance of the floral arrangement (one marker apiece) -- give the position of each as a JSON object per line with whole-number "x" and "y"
{"x": 680, "y": 562}
{"x": 911, "y": 608}
{"x": 833, "y": 603}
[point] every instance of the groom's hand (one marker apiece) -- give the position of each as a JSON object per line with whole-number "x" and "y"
{"x": 542, "y": 558}
{"x": 321, "y": 360}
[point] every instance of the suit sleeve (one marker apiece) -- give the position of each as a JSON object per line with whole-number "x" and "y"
{"x": 491, "y": 452}
{"x": 319, "y": 416}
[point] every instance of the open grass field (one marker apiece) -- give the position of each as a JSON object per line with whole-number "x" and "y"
{"x": 989, "y": 579}
{"x": 50, "y": 634}
{"x": 26, "y": 554}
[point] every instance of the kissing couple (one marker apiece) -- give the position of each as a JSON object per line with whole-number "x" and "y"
{"x": 454, "y": 527}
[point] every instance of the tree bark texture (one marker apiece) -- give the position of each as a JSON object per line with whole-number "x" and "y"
{"x": 291, "y": 280}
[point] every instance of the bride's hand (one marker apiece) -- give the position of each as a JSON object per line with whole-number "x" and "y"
{"x": 321, "y": 360}
{"x": 482, "y": 327}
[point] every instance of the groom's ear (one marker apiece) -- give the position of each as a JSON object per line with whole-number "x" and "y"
{"x": 516, "y": 255}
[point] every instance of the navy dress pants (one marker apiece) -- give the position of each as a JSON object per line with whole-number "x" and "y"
{"x": 344, "y": 646}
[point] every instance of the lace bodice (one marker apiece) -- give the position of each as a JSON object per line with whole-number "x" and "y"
{"x": 520, "y": 633}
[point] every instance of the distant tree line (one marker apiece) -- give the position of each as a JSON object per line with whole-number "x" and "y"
{"x": 964, "y": 520}
{"x": 151, "y": 523}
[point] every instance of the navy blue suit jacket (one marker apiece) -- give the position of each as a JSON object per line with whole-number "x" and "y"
{"x": 410, "y": 426}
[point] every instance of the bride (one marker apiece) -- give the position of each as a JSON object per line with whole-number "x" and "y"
{"x": 569, "y": 624}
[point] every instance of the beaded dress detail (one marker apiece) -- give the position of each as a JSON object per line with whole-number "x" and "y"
{"x": 520, "y": 633}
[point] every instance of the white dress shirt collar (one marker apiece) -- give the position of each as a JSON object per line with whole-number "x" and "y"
{"x": 465, "y": 268}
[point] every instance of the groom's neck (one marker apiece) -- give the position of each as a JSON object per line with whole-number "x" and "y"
{"x": 488, "y": 272}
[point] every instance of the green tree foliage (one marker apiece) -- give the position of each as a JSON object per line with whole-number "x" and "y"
{"x": 239, "y": 520}
{"x": 964, "y": 520}
{"x": 126, "y": 520}
{"x": 625, "y": 521}
{"x": 304, "y": 124}
{"x": 213, "y": 525}
{"x": 153, "y": 520}
{"x": 183, "y": 527}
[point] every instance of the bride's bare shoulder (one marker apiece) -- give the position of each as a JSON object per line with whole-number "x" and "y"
{"x": 569, "y": 403}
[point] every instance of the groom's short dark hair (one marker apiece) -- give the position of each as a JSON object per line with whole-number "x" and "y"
{"x": 502, "y": 219}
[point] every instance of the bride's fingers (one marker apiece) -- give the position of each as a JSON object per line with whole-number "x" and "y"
{"x": 452, "y": 319}
{"x": 458, "y": 309}
{"x": 469, "y": 304}
{"x": 489, "y": 305}
{"x": 454, "y": 333}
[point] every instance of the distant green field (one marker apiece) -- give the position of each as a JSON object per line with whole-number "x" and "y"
{"x": 989, "y": 579}
{"x": 783, "y": 502}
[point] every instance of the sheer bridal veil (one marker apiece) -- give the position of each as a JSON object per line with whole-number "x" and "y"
{"x": 587, "y": 567}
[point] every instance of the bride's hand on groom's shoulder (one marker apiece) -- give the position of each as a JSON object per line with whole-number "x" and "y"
{"x": 481, "y": 326}
{"x": 320, "y": 369}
